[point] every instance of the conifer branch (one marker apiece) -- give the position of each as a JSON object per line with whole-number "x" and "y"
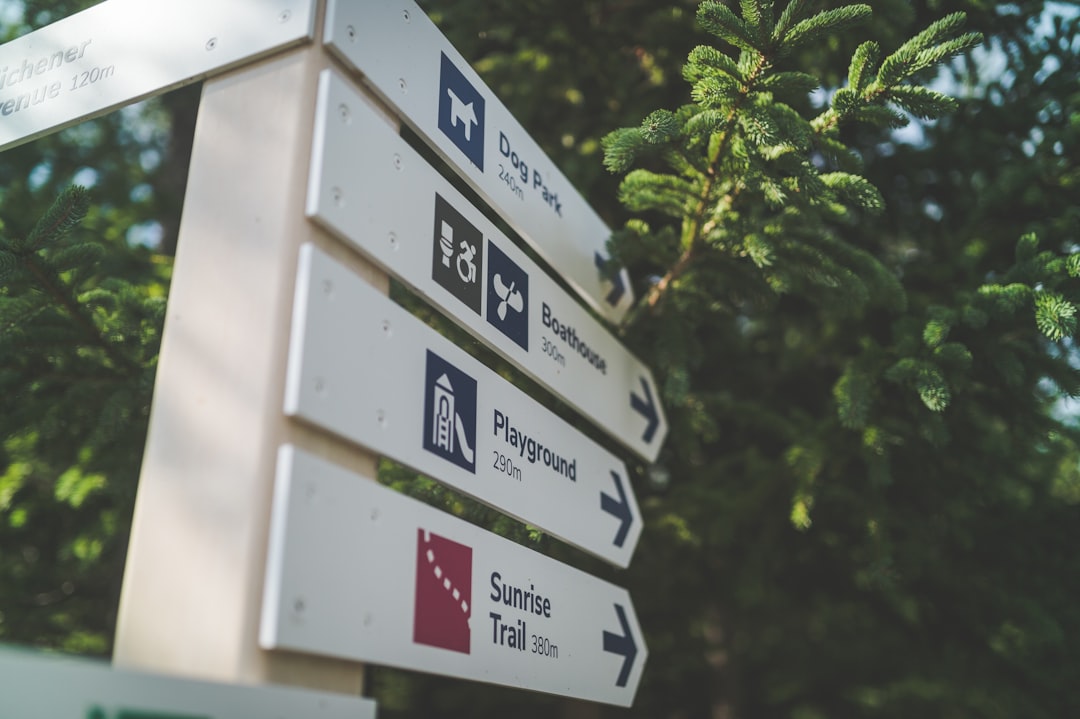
{"x": 64, "y": 214}
{"x": 695, "y": 227}
{"x": 737, "y": 140}
{"x": 63, "y": 297}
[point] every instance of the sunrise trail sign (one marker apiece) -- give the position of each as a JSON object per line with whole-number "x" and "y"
{"x": 376, "y": 192}
{"x": 410, "y": 64}
{"x": 362, "y": 367}
{"x": 440, "y": 595}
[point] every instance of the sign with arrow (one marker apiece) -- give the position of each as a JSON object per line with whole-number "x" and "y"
{"x": 364, "y": 368}
{"x": 358, "y": 571}
{"x": 372, "y": 189}
{"x": 39, "y": 686}
{"x": 121, "y": 51}
{"x": 406, "y": 60}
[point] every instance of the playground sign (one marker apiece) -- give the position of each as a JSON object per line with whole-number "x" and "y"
{"x": 364, "y": 368}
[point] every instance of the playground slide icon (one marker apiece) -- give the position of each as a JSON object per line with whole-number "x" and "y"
{"x": 450, "y": 413}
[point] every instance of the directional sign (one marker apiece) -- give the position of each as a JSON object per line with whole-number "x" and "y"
{"x": 364, "y": 368}
{"x": 358, "y": 571}
{"x": 372, "y": 189}
{"x": 125, "y": 50}
{"x": 36, "y": 686}
{"x": 412, "y": 66}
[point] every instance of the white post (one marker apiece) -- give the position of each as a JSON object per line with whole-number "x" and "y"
{"x": 193, "y": 585}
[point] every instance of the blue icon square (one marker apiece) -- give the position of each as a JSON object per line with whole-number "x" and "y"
{"x": 461, "y": 112}
{"x": 507, "y": 297}
{"x": 450, "y": 413}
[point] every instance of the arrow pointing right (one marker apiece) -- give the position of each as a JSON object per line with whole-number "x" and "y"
{"x": 623, "y": 645}
{"x": 646, "y": 408}
{"x": 619, "y": 289}
{"x": 620, "y": 508}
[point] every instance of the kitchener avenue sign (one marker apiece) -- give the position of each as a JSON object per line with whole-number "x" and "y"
{"x": 372, "y": 189}
{"x": 438, "y": 595}
{"x": 121, "y": 51}
{"x": 404, "y": 58}
{"x": 363, "y": 368}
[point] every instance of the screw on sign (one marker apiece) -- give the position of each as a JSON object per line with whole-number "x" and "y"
{"x": 443, "y": 595}
{"x": 449, "y": 417}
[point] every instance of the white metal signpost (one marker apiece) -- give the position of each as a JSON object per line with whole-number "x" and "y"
{"x": 372, "y": 189}
{"x": 405, "y": 59}
{"x": 362, "y": 367}
{"x": 414, "y": 587}
{"x": 440, "y": 595}
{"x": 125, "y": 50}
{"x": 39, "y": 686}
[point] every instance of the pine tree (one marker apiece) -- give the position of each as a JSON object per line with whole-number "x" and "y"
{"x": 804, "y": 372}
{"x": 753, "y": 185}
{"x": 78, "y": 351}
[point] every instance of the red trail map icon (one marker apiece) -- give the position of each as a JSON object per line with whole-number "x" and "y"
{"x": 443, "y": 592}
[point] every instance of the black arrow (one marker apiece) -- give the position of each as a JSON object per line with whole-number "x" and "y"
{"x": 623, "y": 645}
{"x": 619, "y": 289}
{"x": 618, "y": 507}
{"x": 647, "y": 409}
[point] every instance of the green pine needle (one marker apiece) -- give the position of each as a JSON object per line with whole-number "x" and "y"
{"x": 793, "y": 83}
{"x": 66, "y": 212}
{"x": 1027, "y": 247}
{"x": 1055, "y": 316}
{"x": 718, "y": 19}
{"x": 793, "y": 13}
{"x": 1072, "y": 265}
{"x": 853, "y": 395}
{"x": 659, "y": 127}
{"x": 822, "y": 24}
{"x": 855, "y": 189}
{"x": 862, "y": 65}
{"x": 932, "y": 388}
{"x": 621, "y": 147}
{"x": 921, "y": 101}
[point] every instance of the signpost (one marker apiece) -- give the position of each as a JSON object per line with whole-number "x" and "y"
{"x": 439, "y": 595}
{"x": 410, "y": 64}
{"x": 371, "y": 188}
{"x": 362, "y": 367}
{"x": 353, "y": 571}
{"x": 121, "y": 51}
{"x": 39, "y": 686}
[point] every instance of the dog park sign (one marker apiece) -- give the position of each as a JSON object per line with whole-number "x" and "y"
{"x": 299, "y": 368}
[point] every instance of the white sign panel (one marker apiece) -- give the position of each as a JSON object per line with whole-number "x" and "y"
{"x": 358, "y": 571}
{"x": 411, "y": 64}
{"x": 36, "y": 686}
{"x": 364, "y": 368}
{"x": 125, "y": 50}
{"x": 375, "y": 191}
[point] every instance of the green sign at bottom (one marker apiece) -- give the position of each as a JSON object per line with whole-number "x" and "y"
{"x": 42, "y": 686}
